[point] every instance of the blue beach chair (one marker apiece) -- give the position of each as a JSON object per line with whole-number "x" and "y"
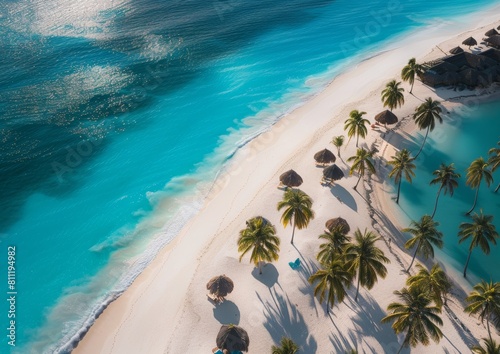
{"x": 295, "y": 265}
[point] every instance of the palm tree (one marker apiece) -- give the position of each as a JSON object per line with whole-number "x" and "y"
{"x": 494, "y": 160}
{"x": 332, "y": 281}
{"x": 298, "y": 209}
{"x": 392, "y": 95}
{"x": 287, "y": 346}
{"x": 338, "y": 141}
{"x": 365, "y": 259}
{"x": 435, "y": 283}
{"x": 490, "y": 347}
{"x": 362, "y": 162}
{"x": 481, "y": 231}
{"x": 478, "y": 170}
{"x": 260, "y": 237}
{"x": 425, "y": 234}
{"x": 411, "y": 70}
{"x": 485, "y": 301}
{"x": 447, "y": 179}
{"x": 402, "y": 165}
{"x": 356, "y": 125}
{"x": 416, "y": 316}
{"x": 425, "y": 117}
{"x": 336, "y": 240}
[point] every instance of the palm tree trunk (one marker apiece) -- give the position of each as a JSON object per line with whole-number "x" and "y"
{"x": 338, "y": 151}
{"x": 260, "y": 267}
{"x": 496, "y": 189}
{"x": 293, "y": 233}
{"x": 357, "y": 140}
{"x": 436, "y": 205}
{"x": 403, "y": 344}
{"x": 357, "y": 289}
{"x": 411, "y": 88}
{"x": 399, "y": 188}
{"x": 423, "y": 143}
{"x": 327, "y": 310}
{"x": 359, "y": 179}
{"x": 467, "y": 264}
{"x": 488, "y": 326}
{"x": 414, "y": 255}
{"x": 475, "y": 200}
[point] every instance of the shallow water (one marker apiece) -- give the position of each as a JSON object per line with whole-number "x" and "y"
{"x": 467, "y": 133}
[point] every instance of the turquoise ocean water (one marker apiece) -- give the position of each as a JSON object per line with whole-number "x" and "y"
{"x": 466, "y": 134}
{"x": 116, "y": 115}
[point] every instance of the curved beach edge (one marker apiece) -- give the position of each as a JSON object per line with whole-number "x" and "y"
{"x": 166, "y": 310}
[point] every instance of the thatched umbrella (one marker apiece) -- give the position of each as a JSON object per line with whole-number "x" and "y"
{"x": 469, "y": 42}
{"x": 220, "y": 286}
{"x": 386, "y": 117}
{"x": 493, "y": 40}
{"x": 332, "y": 173}
{"x": 456, "y": 50}
{"x": 291, "y": 179}
{"x": 340, "y": 223}
{"x": 324, "y": 157}
{"x": 232, "y": 337}
{"x": 491, "y": 32}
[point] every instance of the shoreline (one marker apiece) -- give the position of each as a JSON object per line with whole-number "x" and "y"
{"x": 144, "y": 285}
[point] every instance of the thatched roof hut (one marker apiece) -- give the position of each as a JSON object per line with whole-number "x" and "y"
{"x": 470, "y": 77}
{"x": 324, "y": 156}
{"x": 443, "y": 67}
{"x": 232, "y": 338}
{"x": 491, "y": 53}
{"x": 445, "y": 79}
{"x": 386, "y": 117}
{"x": 332, "y": 173}
{"x": 456, "y": 50}
{"x": 466, "y": 68}
{"x": 491, "y": 75}
{"x": 493, "y": 41}
{"x": 469, "y": 60}
{"x": 451, "y": 78}
{"x": 431, "y": 78}
{"x": 338, "y": 223}
{"x": 220, "y": 286}
{"x": 291, "y": 179}
{"x": 469, "y": 42}
{"x": 491, "y": 32}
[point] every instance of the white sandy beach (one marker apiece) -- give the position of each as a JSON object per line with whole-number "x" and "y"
{"x": 166, "y": 309}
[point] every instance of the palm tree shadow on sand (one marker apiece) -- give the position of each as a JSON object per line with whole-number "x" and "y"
{"x": 339, "y": 342}
{"x": 466, "y": 335}
{"x": 284, "y": 319}
{"x": 306, "y": 269}
{"x": 401, "y": 139}
{"x": 269, "y": 275}
{"x": 227, "y": 312}
{"x": 367, "y": 324}
{"x": 344, "y": 196}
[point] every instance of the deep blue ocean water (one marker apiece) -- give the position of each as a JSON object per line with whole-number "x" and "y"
{"x": 115, "y": 114}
